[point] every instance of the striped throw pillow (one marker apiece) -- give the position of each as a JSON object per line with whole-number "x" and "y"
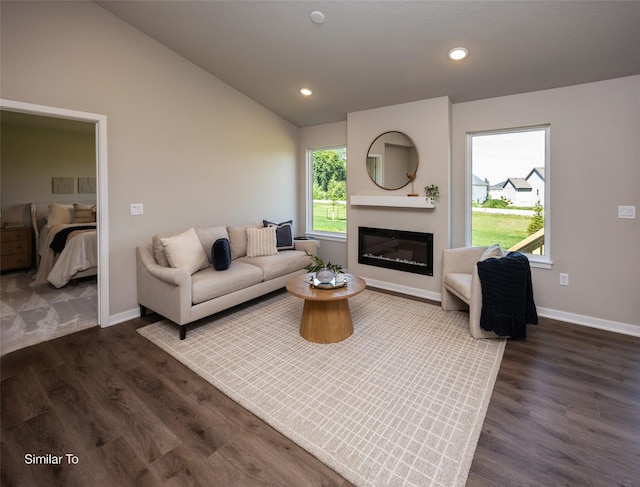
{"x": 261, "y": 241}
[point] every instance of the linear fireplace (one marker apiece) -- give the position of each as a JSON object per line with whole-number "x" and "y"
{"x": 396, "y": 249}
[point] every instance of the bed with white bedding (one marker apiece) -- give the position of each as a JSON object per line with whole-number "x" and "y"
{"x": 66, "y": 243}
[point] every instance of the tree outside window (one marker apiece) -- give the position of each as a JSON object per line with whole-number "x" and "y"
{"x": 328, "y": 203}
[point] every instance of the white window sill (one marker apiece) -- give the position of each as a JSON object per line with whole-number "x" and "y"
{"x": 539, "y": 262}
{"x": 333, "y": 237}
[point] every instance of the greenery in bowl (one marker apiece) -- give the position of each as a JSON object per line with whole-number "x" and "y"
{"x": 317, "y": 264}
{"x": 432, "y": 191}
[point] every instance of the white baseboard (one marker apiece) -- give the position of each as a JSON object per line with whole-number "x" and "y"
{"x": 122, "y": 317}
{"x": 601, "y": 324}
{"x": 591, "y": 322}
{"x": 410, "y": 291}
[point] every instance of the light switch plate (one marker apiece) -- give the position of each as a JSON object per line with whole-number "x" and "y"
{"x": 137, "y": 209}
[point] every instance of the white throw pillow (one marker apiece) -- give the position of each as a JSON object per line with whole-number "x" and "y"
{"x": 493, "y": 252}
{"x": 184, "y": 251}
{"x": 261, "y": 241}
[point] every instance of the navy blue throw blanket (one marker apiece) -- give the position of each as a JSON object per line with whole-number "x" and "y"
{"x": 60, "y": 239}
{"x": 507, "y": 295}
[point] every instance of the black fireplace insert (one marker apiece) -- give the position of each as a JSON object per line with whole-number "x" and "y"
{"x": 396, "y": 249}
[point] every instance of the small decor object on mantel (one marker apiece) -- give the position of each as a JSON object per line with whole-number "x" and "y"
{"x": 433, "y": 193}
{"x": 412, "y": 178}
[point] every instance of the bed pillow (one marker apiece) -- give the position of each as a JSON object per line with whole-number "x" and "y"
{"x": 221, "y": 254}
{"x": 284, "y": 234}
{"x": 59, "y": 214}
{"x": 261, "y": 241}
{"x": 84, "y": 213}
{"x": 184, "y": 251}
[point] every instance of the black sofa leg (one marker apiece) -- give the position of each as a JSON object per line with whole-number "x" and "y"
{"x": 143, "y": 310}
{"x": 183, "y": 332}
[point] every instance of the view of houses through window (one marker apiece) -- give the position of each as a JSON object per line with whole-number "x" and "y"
{"x": 508, "y": 188}
{"x": 328, "y": 205}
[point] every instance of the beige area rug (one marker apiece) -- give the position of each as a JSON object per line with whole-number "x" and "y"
{"x": 399, "y": 403}
{"x": 30, "y": 315}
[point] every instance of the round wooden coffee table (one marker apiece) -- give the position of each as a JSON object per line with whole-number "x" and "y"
{"x": 326, "y": 317}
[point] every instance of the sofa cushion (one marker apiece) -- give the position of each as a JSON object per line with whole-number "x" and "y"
{"x": 280, "y": 264}
{"x": 210, "y": 283}
{"x": 460, "y": 283}
{"x": 158, "y": 249}
{"x": 238, "y": 239}
{"x": 184, "y": 251}
{"x": 209, "y": 235}
{"x": 221, "y": 254}
{"x": 284, "y": 234}
{"x": 261, "y": 241}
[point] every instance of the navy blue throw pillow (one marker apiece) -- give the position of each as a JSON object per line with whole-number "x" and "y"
{"x": 284, "y": 234}
{"x": 221, "y": 254}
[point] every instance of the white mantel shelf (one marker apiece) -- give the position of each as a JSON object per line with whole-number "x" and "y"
{"x": 390, "y": 201}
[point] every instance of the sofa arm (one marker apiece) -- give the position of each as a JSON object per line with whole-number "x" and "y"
{"x": 310, "y": 246}
{"x": 177, "y": 277}
{"x": 165, "y": 290}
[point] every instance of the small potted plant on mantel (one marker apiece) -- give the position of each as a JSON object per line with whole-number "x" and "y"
{"x": 432, "y": 193}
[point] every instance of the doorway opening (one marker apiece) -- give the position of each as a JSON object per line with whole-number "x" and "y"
{"x": 100, "y": 122}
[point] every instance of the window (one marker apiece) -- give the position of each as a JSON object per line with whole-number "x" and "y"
{"x": 327, "y": 202}
{"x": 509, "y": 190}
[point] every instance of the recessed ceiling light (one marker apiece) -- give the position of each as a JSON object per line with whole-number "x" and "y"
{"x": 306, "y": 91}
{"x": 458, "y": 53}
{"x": 317, "y": 17}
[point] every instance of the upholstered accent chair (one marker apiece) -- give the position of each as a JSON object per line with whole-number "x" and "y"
{"x": 461, "y": 288}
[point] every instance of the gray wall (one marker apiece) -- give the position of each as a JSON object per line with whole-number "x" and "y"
{"x": 31, "y": 157}
{"x": 196, "y": 153}
{"x": 594, "y": 167}
{"x": 426, "y": 122}
{"x": 193, "y": 150}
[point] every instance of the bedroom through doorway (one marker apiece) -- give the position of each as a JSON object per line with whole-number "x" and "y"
{"x": 44, "y": 312}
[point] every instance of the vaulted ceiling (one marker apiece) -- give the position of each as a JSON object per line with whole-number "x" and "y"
{"x": 369, "y": 54}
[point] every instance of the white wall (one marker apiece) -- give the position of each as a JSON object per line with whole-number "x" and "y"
{"x": 193, "y": 150}
{"x": 427, "y": 123}
{"x": 594, "y": 167}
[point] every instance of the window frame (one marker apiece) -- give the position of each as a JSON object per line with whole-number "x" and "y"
{"x": 539, "y": 261}
{"x": 310, "y": 231}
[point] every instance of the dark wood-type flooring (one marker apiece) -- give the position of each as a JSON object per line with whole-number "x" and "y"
{"x": 565, "y": 410}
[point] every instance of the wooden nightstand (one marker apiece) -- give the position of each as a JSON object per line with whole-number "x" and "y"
{"x": 15, "y": 249}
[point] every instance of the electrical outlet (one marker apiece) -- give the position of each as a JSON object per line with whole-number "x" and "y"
{"x": 564, "y": 279}
{"x": 627, "y": 212}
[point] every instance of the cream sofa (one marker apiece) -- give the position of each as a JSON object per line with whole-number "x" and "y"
{"x": 184, "y": 295}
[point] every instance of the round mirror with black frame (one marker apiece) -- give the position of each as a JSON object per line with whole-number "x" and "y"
{"x": 392, "y": 160}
